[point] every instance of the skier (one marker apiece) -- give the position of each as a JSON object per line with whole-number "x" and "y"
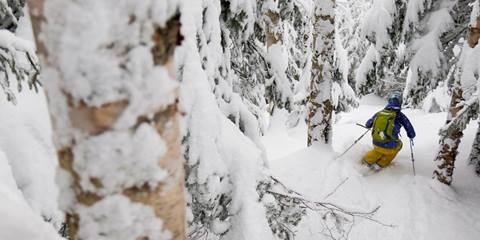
{"x": 386, "y": 126}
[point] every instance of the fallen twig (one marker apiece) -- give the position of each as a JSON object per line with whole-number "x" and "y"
{"x": 338, "y": 221}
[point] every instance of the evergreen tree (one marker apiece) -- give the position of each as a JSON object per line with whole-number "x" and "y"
{"x": 246, "y": 69}
{"x": 213, "y": 183}
{"x": 279, "y": 88}
{"x": 116, "y": 120}
{"x": 320, "y": 105}
{"x": 380, "y": 71}
{"x": 425, "y": 24}
{"x": 413, "y": 49}
{"x": 18, "y": 61}
{"x": 208, "y": 181}
{"x": 351, "y": 45}
{"x": 10, "y": 13}
{"x": 296, "y": 34}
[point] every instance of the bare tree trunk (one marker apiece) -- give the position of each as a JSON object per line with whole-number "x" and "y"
{"x": 159, "y": 203}
{"x": 320, "y": 106}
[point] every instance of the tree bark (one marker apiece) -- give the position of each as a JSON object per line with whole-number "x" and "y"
{"x": 320, "y": 105}
{"x": 474, "y": 34}
{"x": 449, "y": 141}
{"x": 460, "y": 113}
{"x": 274, "y": 20}
{"x": 166, "y": 200}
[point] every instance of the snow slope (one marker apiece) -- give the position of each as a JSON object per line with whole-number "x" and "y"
{"x": 419, "y": 207}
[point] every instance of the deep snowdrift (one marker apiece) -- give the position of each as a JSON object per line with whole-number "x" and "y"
{"x": 419, "y": 207}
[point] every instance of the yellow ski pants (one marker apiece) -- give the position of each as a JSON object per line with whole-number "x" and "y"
{"x": 382, "y": 156}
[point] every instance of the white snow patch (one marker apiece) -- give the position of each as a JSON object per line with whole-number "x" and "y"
{"x": 19, "y": 221}
{"x": 137, "y": 156}
{"x": 116, "y": 217}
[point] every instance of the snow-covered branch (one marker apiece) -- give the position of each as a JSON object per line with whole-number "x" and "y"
{"x": 18, "y": 62}
{"x": 337, "y": 220}
{"x": 10, "y": 12}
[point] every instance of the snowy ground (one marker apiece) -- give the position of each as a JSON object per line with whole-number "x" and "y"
{"x": 419, "y": 207}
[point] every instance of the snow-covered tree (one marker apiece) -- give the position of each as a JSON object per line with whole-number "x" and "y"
{"x": 472, "y": 79}
{"x": 245, "y": 69}
{"x": 320, "y": 105}
{"x": 208, "y": 181}
{"x": 288, "y": 39}
{"x": 380, "y": 69}
{"x": 268, "y": 53}
{"x": 295, "y": 32}
{"x": 351, "y": 46}
{"x": 429, "y": 20}
{"x": 414, "y": 49}
{"x": 434, "y": 55}
{"x": 113, "y": 97}
{"x": 464, "y": 105}
{"x": 18, "y": 62}
{"x": 10, "y": 13}
{"x": 279, "y": 89}
{"x": 459, "y": 114}
{"x": 225, "y": 164}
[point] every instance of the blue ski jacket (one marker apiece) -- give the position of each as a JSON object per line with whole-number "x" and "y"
{"x": 400, "y": 120}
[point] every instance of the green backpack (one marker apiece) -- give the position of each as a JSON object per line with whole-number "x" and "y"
{"x": 382, "y": 130}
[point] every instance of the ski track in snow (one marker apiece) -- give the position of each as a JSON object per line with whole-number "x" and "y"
{"x": 419, "y": 207}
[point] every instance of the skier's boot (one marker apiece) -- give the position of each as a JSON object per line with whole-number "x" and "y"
{"x": 369, "y": 169}
{"x": 374, "y": 167}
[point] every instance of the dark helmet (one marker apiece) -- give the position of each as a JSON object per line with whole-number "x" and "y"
{"x": 395, "y": 100}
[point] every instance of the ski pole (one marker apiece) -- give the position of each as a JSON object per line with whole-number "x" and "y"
{"x": 411, "y": 153}
{"x": 356, "y": 141}
{"x": 360, "y": 125}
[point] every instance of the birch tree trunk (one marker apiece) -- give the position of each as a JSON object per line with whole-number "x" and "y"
{"x": 320, "y": 106}
{"x": 117, "y": 138}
